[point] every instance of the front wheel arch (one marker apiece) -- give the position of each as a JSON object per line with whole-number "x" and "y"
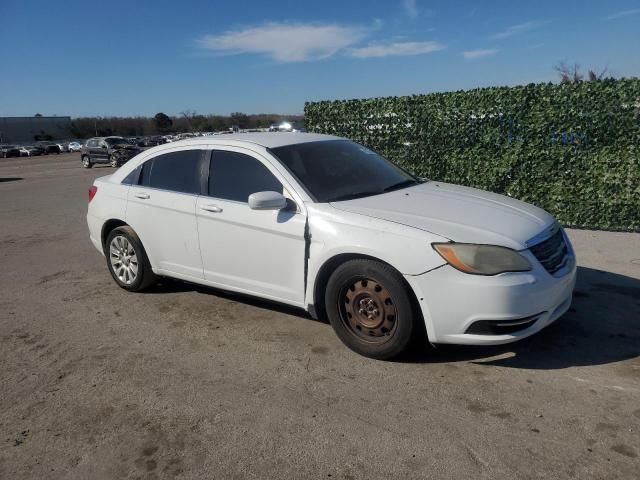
{"x": 329, "y": 266}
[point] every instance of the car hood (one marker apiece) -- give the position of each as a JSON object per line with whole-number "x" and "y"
{"x": 461, "y": 214}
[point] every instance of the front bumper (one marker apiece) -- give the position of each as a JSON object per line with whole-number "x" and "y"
{"x": 452, "y": 301}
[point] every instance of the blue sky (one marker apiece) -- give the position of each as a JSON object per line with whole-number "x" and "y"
{"x": 141, "y": 57}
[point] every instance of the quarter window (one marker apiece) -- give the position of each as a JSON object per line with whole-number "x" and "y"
{"x": 133, "y": 177}
{"x": 175, "y": 171}
{"x": 235, "y": 176}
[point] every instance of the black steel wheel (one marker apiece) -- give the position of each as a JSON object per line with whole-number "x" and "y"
{"x": 371, "y": 308}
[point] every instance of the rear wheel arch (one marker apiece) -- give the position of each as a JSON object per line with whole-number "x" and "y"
{"x": 108, "y": 226}
{"x": 127, "y": 260}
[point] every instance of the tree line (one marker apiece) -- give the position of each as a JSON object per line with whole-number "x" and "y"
{"x": 162, "y": 124}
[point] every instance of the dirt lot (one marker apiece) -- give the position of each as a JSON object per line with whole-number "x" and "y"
{"x": 190, "y": 382}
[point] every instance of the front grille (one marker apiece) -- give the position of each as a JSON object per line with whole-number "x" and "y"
{"x": 552, "y": 253}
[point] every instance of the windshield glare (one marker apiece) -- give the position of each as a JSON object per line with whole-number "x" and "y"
{"x": 341, "y": 170}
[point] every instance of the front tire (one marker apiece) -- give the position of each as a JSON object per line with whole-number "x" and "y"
{"x": 370, "y": 307}
{"x": 86, "y": 162}
{"x": 127, "y": 260}
{"x": 113, "y": 161}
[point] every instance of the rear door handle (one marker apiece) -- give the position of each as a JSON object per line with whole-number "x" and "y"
{"x": 143, "y": 196}
{"x": 211, "y": 208}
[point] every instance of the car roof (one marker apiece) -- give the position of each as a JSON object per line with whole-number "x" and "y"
{"x": 264, "y": 139}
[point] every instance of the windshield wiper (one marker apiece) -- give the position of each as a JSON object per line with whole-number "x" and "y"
{"x": 405, "y": 183}
{"x": 351, "y": 196}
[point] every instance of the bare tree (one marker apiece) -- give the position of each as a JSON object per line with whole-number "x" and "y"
{"x": 571, "y": 73}
{"x": 568, "y": 73}
{"x": 189, "y": 116}
{"x": 594, "y": 76}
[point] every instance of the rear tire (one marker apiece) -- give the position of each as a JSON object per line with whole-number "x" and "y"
{"x": 86, "y": 162}
{"x": 127, "y": 260}
{"x": 371, "y": 309}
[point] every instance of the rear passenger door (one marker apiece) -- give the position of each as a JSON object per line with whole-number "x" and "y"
{"x": 254, "y": 251}
{"x": 101, "y": 151}
{"x": 92, "y": 146}
{"x": 161, "y": 209}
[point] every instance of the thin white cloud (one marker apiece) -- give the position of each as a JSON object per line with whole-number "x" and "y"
{"x": 516, "y": 29}
{"x": 286, "y": 42}
{"x": 410, "y": 8}
{"x": 475, "y": 54}
{"x": 396, "y": 49}
{"x": 624, "y": 13}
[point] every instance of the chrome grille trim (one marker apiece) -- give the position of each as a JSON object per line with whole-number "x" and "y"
{"x": 552, "y": 253}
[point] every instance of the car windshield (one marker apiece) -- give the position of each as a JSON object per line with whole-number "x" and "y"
{"x": 337, "y": 170}
{"x": 115, "y": 140}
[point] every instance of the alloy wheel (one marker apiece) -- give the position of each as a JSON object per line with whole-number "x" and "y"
{"x": 124, "y": 259}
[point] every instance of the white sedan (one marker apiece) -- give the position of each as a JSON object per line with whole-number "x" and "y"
{"x": 74, "y": 147}
{"x": 327, "y": 225}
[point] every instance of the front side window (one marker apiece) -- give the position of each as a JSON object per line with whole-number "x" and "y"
{"x": 175, "y": 171}
{"x": 337, "y": 170}
{"x": 235, "y": 176}
{"x": 115, "y": 141}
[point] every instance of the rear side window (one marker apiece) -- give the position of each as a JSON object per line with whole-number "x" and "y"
{"x": 175, "y": 171}
{"x": 235, "y": 176}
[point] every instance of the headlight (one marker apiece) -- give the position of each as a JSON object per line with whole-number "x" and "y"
{"x": 482, "y": 259}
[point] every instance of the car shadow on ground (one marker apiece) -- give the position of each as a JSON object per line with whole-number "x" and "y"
{"x": 169, "y": 285}
{"x": 602, "y": 326}
{"x": 10, "y": 179}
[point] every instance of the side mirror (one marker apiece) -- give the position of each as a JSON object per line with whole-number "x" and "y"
{"x": 267, "y": 201}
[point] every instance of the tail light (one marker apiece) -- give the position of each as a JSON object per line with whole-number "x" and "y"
{"x": 92, "y": 192}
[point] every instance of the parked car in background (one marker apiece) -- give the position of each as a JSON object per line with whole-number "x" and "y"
{"x": 49, "y": 147}
{"x": 112, "y": 150}
{"x": 182, "y": 136}
{"x": 74, "y": 146}
{"x": 34, "y": 150}
{"x": 151, "y": 141}
{"x": 24, "y": 152}
{"x": 7, "y": 151}
{"x": 63, "y": 147}
{"x": 286, "y": 127}
{"x": 327, "y": 225}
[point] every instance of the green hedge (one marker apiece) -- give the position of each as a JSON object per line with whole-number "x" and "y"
{"x": 573, "y": 150}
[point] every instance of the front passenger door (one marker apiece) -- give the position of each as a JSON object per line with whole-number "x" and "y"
{"x": 253, "y": 251}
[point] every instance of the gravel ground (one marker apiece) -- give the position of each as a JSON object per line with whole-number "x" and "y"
{"x": 190, "y": 382}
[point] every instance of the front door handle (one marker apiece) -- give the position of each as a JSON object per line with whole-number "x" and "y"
{"x": 211, "y": 208}
{"x": 142, "y": 195}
